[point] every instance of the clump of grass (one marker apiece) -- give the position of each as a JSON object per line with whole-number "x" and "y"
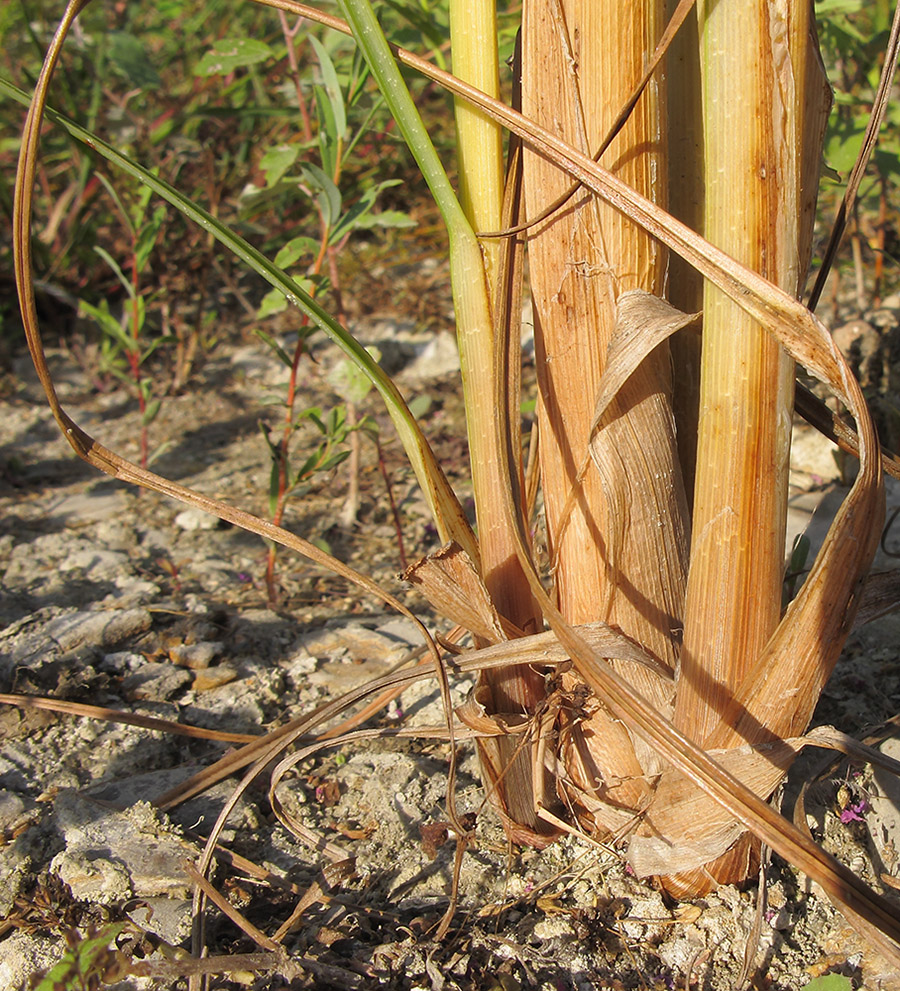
{"x": 689, "y": 691}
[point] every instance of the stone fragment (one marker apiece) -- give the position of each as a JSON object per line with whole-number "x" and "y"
{"x": 97, "y": 629}
{"x": 90, "y": 505}
{"x": 813, "y": 455}
{"x": 199, "y": 812}
{"x": 24, "y": 955}
{"x": 221, "y": 674}
{"x": 168, "y": 918}
{"x": 197, "y": 656}
{"x": 883, "y": 820}
{"x": 12, "y": 812}
{"x": 95, "y": 562}
{"x": 155, "y": 683}
{"x": 439, "y": 357}
{"x": 196, "y": 519}
{"x": 123, "y": 660}
{"x": 358, "y": 642}
{"x": 111, "y": 855}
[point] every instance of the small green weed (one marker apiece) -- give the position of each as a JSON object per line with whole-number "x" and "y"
{"x": 124, "y": 348}
{"x": 88, "y": 963}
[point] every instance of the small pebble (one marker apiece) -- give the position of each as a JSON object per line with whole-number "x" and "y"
{"x": 196, "y": 519}
{"x": 215, "y": 677}
{"x": 197, "y": 656}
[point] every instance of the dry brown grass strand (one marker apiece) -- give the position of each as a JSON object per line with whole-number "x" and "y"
{"x": 125, "y": 718}
{"x": 830, "y": 425}
{"x": 540, "y": 650}
{"x": 226, "y": 908}
{"x": 265, "y": 962}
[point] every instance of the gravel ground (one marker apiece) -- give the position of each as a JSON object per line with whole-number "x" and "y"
{"x": 124, "y": 600}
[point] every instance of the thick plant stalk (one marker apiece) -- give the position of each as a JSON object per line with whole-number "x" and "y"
{"x": 752, "y": 177}
{"x": 606, "y": 563}
{"x": 479, "y": 140}
{"x": 753, "y": 67}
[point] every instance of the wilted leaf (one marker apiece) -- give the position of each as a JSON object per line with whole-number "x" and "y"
{"x": 451, "y": 584}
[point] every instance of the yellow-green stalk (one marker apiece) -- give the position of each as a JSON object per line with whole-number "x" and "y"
{"x": 479, "y": 139}
{"x": 486, "y": 384}
{"x": 746, "y": 393}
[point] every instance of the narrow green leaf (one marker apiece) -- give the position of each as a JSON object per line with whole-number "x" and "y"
{"x": 295, "y": 249}
{"x": 829, "y": 982}
{"x": 273, "y": 302}
{"x": 159, "y": 451}
{"x": 349, "y": 382}
{"x": 314, "y": 414}
{"x": 384, "y": 218}
{"x": 148, "y": 235}
{"x": 309, "y": 466}
{"x": 333, "y": 460}
{"x": 141, "y": 305}
{"x": 284, "y": 357}
{"x": 420, "y": 405}
{"x": 114, "y": 196}
{"x": 448, "y": 514}
{"x": 157, "y": 342}
{"x": 78, "y": 967}
{"x": 151, "y": 411}
{"x": 114, "y": 265}
{"x": 129, "y": 55}
{"x": 110, "y": 326}
{"x": 328, "y": 197}
{"x": 328, "y": 142}
{"x": 273, "y": 448}
{"x": 360, "y": 214}
{"x": 61, "y": 977}
{"x": 332, "y": 88}
{"x": 274, "y": 486}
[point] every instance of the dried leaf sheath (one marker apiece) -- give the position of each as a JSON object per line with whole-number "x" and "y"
{"x": 581, "y": 260}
